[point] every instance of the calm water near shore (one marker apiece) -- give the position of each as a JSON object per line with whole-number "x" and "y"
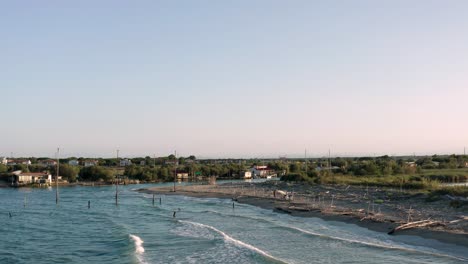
{"x": 205, "y": 230}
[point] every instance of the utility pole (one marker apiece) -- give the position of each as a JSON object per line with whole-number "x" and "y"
{"x": 154, "y": 169}
{"x": 118, "y": 158}
{"x": 329, "y": 166}
{"x": 56, "y": 178}
{"x": 117, "y": 183}
{"x": 175, "y": 170}
{"x": 305, "y": 160}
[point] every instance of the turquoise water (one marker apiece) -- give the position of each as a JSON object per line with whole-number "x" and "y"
{"x": 204, "y": 231}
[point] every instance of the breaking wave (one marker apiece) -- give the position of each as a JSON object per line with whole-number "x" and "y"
{"x": 139, "y": 249}
{"x": 234, "y": 241}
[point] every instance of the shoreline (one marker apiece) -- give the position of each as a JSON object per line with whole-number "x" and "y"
{"x": 281, "y": 206}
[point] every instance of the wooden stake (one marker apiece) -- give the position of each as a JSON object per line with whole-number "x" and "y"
{"x": 117, "y": 191}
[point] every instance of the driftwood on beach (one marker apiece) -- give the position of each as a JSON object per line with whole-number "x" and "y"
{"x": 456, "y": 198}
{"x": 417, "y": 224}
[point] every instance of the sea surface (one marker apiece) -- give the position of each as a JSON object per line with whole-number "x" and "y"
{"x": 33, "y": 229}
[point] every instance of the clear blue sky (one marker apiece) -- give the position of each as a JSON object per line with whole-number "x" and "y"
{"x": 233, "y": 78}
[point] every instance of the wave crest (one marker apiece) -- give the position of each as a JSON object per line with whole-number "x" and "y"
{"x": 234, "y": 241}
{"x": 138, "y": 244}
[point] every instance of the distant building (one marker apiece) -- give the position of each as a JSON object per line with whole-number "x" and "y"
{"x": 411, "y": 164}
{"x": 327, "y": 168}
{"x": 32, "y": 177}
{"x": 142, "y": 163}
{"x": 73, "y": 162}
{"x": 261, "y": 171}
{"x": 246, "y": 175}
{"x": 125, "y": 162}
{"x": 465, "y": 164}
{"x": 171, "y": 162}
{"x": 182, "y": 175}
{"x": 47, "y": 163}
{"x": 18, "y": 162}
{"x": 90, "y": 163}
{"x": 3, "y": 160}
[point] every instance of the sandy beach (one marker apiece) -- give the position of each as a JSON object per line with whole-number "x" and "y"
{"x": 373, "y": 208}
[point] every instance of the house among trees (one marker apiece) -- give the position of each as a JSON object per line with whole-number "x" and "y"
{"x": 125, "y": 162}
{"x": 171, "y": 162}
{"x": 246, "y": 175}
{"x": 47, "y": 163}
{"x": 89, "y": 163}
{"x": 73, "y": 162}
{"x": 3, "y": 160}
{"x": 23, "y": 178}
{"x": 261, "y": 171}
{"x": 18, "y": 162}
{"x": 182, "y": 175}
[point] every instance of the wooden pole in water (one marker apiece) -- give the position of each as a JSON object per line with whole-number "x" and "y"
{"x": 116, "y": 190}
{"x": 153, "y": 199}
{"x": 89, "y": 204}
{"x": 160, "y": 202}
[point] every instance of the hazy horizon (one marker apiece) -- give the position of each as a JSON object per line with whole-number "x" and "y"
{"x": 288, "y": 156}
{"x": 233, "y": 79}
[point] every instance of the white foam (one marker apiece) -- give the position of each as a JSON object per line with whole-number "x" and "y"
{"x": 138, "y": 244}
{"x": 234, "y": 241}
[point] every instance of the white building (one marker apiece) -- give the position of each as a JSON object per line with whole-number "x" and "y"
{"x": 182, "y": 175}
{"x": 89, "y": 163}
{"x": 261, "y": 171}
{"x": 171, "y": 162}
{"x": 32, "y": 177}
{"x": 246, "y": 175}
{"x": 125, "y": 162}
{"x": 3, "y": 161}
{"x": 73, "y": 162}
